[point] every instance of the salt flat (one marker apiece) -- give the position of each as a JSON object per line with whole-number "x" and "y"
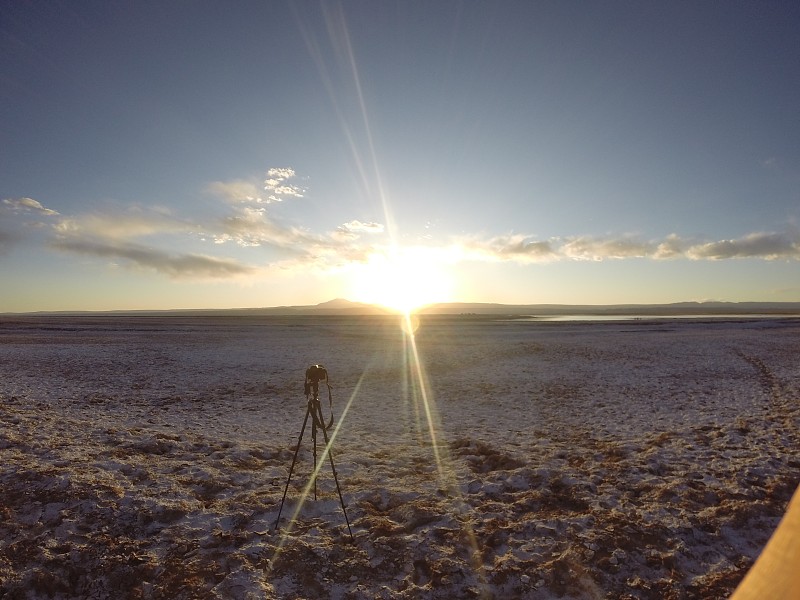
{"x": 146, "y": 457}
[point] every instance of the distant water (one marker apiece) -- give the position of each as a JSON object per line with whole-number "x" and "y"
{"x": 541, "y": 318}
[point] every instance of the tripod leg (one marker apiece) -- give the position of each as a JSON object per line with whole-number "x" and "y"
{"x": 314, "y": 443}
{"x": 336, "y": 479}
{"x": 294, "y": 460}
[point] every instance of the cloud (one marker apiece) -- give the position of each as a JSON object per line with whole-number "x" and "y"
{"x": 253, "y": 227}
{"x": 768, "y": 246}
{"x": 135, "y": 222}
{"x": 20, "y": 217}
{"x": 26, "y": 205}
{"x": 117, "y": 235}
{"x": 111, "y": 234}
{"x": 237, "y": 190}
{"x": 513, "y": 247}
{"x": 280, "y": 173}
{"x": 524, "y": 249}
{"x": 672, "y": 247}
{"x": 358, "y": 226}
{"x": 351, "y": 231}
{"x": 275, "y": 184}
{"x": 274, "y": 188}
{"x": 588, "y": 248}
{"x": 176, "y": 266}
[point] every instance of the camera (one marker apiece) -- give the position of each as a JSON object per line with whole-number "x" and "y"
{"x": 315, "y": 374}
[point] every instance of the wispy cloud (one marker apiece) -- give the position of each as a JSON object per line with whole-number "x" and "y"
{"x": 26, "y": 205}
{"x": 588, "y": 248}
{"x": 238, "y": 190}
{"x": 112, "y": 234}
{"x": 526, "y": 249}
{"x": 177, "y": 266}
{"x": 118, "y": 234}
{"x": 253, "y": 227}
{"x": 358, "y": 226}
{"x": 274, "y": 188}
{"x": 514, "y": 247}
{"x": 250, "y": 224}
{"x": 131, "y": 223}
{"x": 765, "y": 245}
{"x": 353, "y": 230}
{"x": 20, "y": 217}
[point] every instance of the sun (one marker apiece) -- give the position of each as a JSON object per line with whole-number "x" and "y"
{"x": 402, "y": 280}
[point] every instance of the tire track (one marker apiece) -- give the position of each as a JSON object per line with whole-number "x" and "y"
{"x": 766, "y": 377}
{"x": 784, "y": 410}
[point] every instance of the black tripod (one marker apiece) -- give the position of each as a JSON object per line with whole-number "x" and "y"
{"x": 315, "y": 374}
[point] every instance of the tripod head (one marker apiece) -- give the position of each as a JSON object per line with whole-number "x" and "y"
{"x": 315, "y": 374}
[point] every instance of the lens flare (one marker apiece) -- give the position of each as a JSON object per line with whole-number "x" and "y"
{"x": 402, "y": 279}
{"x": 421, "y": 392}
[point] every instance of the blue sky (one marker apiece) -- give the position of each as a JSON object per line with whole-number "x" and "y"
{"x": 212, "y": 154}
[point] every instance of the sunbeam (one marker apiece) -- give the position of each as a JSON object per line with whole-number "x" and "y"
{"x": 444, "y": 465}
{"x": 401, "y": 278}
{"x": 339, "y": 36}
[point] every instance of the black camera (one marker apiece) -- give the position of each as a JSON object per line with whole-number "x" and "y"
{"x": 315, "y": 374}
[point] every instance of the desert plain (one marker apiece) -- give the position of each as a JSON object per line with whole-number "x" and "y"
{"x": 145, "y": 457}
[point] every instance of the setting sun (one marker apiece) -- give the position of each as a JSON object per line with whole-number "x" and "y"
{"x": 404, "y": 281}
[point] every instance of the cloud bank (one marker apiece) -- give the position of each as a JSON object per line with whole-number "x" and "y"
{"x": 155, "y": 239}
{"x": 150, "y": 238}
{"x": 524, "y": 249}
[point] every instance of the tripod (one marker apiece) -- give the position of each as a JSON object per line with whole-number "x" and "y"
{"x": 315, "y": 374}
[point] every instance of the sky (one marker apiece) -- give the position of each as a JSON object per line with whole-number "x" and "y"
{"x": 158, "y": 155}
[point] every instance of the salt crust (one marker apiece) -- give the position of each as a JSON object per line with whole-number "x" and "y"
{"x": 146, "y": 457}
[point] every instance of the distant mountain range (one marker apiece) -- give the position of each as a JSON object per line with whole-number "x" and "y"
{"x": 345, "y": 307}
{"x": 342, "y": 307}
{"x": 674, "y": 309}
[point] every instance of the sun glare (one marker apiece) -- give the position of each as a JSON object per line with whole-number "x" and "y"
{"x": 403, "y": 281}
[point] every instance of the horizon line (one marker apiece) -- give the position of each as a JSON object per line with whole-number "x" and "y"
{"x": 344, "y": 306}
